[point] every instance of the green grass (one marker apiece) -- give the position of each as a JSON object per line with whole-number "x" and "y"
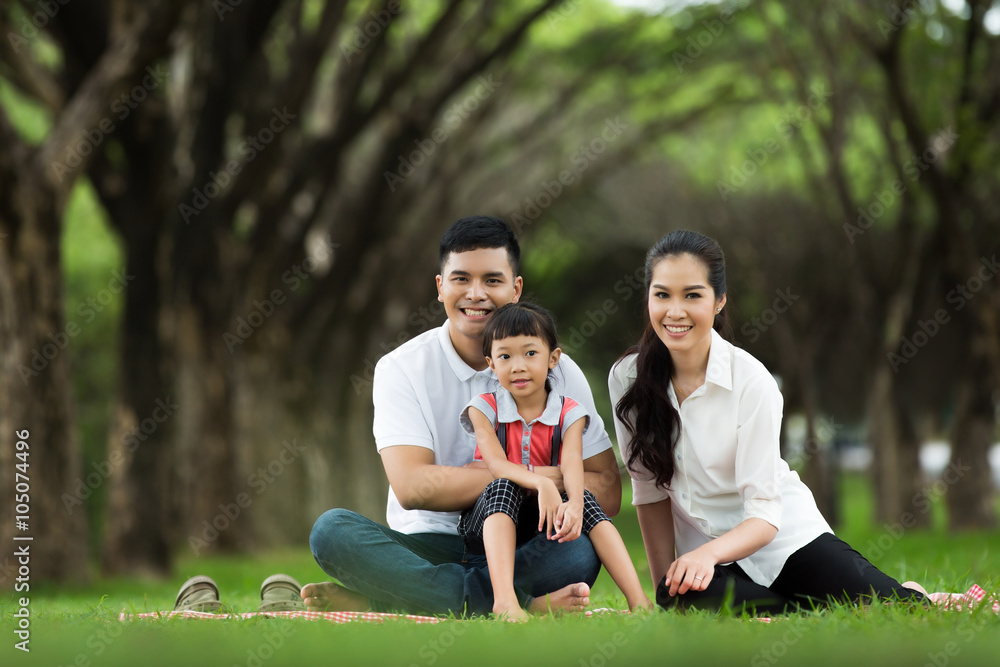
{"x": 79, "y": 626}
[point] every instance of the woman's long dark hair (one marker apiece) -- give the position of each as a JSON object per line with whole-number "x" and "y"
{"x": 645, "y": 409}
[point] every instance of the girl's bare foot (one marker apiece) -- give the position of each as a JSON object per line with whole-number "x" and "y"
{"x": 509, "y": 612}
{"x": 574, "y": 597}
{"x": 643, "y": 604}
{"x": 331, "y": 596}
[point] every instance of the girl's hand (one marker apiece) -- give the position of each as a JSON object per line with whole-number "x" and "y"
{"x": 569, "y": 521}
{"x": 548, "y": 504}
{"x": 691, "y": 572}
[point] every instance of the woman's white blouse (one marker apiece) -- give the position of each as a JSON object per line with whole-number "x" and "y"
{"x": 727, "y": 461}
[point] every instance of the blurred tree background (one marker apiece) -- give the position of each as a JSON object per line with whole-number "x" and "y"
{"x": 216, "y": 216}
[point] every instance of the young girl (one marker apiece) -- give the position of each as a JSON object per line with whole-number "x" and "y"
{"x": 698, "y": 423}
{"x": 522, "y": 425}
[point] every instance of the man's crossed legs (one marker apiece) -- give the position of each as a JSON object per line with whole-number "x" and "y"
{"x": 427, "y": 573}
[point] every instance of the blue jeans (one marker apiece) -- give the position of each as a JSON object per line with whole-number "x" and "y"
{"x": 429, "y": 573}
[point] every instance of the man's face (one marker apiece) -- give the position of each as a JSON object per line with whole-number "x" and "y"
{"x": 473, "y": 284}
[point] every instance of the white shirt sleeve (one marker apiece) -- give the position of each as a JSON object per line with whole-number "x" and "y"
{"x": 644, "y": 488}
{"x": 480, "y": 404}
{"x": 398, "y": 417}
{"x": 571, "y": 381}
{"x": 759, "y": 470}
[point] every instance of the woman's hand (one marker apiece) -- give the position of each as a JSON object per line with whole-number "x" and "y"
{"x": 691, "y": 572}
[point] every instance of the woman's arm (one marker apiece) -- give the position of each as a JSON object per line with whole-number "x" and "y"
{"x": 695, "y": 569}
{"x": 656, "y": 521}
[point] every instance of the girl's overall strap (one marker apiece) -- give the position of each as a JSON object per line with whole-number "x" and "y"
{"x": 557, "y": 434}
{"x": 501, "y": 428}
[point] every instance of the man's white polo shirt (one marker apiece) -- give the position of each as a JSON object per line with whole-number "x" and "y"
{"x": 420, "y": 390}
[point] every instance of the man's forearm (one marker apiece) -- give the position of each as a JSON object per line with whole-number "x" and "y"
{"x": 442, "y": 488}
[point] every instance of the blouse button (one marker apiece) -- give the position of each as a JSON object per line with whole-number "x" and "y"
{"x": 684, "y": 495}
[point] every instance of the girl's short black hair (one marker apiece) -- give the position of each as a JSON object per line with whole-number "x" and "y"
{"x": 519, "y": 319}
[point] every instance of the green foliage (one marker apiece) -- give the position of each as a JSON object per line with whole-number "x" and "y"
{"x": 93, "y": 272}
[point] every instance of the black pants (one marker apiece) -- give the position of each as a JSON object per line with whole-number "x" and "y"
{"x": 827, "y": 569}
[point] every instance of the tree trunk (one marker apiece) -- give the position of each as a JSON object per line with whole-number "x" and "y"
{"x": 896, "y": 462}
{"x": 137, "y": 525}
{"x": 35, "y": 393}
{"x": 968, "y": 479}
{"x": 206, "y": 496}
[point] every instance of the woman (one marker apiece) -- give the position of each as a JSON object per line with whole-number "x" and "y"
{"x": 698, "y": 423}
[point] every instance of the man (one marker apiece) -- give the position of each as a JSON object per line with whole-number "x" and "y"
{"x": 419, "y": 563}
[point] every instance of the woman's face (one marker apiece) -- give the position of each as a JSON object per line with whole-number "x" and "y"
{"x": 682, "y": 305}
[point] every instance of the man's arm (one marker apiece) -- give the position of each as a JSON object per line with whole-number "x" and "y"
{"x": 420, "y": 484}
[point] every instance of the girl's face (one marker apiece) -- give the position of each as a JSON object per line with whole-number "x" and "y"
{"x": 682, "y": 305}
{"x": 522, "y": 363}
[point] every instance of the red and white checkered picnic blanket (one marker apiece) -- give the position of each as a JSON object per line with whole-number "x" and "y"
{"x": 967, "y": 601}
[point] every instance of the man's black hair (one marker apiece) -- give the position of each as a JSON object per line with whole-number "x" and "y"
{"x": 480, "y": 231}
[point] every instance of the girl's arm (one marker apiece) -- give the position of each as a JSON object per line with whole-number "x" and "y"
{"x": 656, "y": 521}
{"x": 569, "y": 519}
{"x": 496, "y": 461}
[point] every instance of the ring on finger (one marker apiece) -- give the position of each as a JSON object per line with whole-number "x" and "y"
{"x": 698, "y": 578}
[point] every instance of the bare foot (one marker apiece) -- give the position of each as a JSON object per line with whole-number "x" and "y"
{"x": 574, "y": 597}
{"x": 330, "y": 596}
{"x": 644, "y": 605}
{"x": 512, "y": 613}
{"x": 915, "y": 586}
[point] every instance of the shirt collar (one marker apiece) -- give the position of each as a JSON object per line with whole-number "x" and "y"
{"x": 462, "y": 370}
{"x": 720, "y": 362}
{"x": 507, "y": 408}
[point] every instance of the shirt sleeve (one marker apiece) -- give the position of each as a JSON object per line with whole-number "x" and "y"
{"x": 483, "y": 406}
{"x": 644, "y": 488}
{"x": 575, "y": 413}
{"x": 758, "y": 466}
{"x": 399, "y": 419}
{"x": 570, "y": 381}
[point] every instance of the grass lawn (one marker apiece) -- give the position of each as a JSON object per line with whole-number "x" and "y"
{"x": 79, "y": 626}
